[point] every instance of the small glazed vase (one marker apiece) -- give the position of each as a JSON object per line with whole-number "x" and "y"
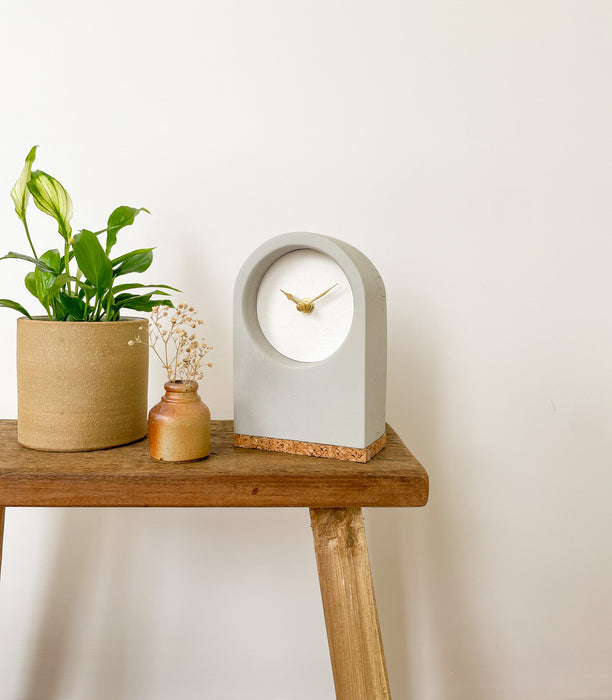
{"x": 179, "y": 425}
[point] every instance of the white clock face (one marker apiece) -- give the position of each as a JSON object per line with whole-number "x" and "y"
{"x": 305, "y": 275}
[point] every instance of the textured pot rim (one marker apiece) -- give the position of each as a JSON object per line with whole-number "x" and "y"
{"x": 47, "y": 321}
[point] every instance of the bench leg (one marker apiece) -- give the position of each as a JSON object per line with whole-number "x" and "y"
{"x": 2, "y": 509}
{"x": 351, "y": 618}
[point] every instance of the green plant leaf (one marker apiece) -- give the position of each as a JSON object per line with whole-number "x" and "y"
{"x": 93, "y": 261}
{"x": 39, "y": 263}
{"x": 20, "y": 192}
{"x": 63, "y": 279}
{"x": 60, "y": 281}
{"x": 44, "y": 286}
{"x": 30, "y": 283}
{"x": 122, "y": 299}
{"x": 53, "y": 259}
{"x": 121, "y": 217}
{"x": 52, "y": 199}
{"x": 136, "y": 285}
{"x": 142, "y": 302}
{"x": 136, "y": 261}
{"x": 59, "y": 311}
{"x": 15, "y": 306}
{"x": 76, "y": 307}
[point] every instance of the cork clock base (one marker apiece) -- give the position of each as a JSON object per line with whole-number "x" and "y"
{"x": 312, "y": 449}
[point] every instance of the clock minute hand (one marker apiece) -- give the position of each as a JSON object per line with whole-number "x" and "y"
{"x": 324, "y": 293}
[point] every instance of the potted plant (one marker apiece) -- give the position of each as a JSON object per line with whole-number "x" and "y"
{"x": 80, "y": 385}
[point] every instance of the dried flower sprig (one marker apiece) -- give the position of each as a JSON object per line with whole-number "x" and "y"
{"x": 172, "y": 338}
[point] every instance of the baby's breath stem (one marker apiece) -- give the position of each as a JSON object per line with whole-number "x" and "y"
{"x": 161, "y": 359}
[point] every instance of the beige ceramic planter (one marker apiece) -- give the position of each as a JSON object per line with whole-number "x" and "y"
{"x": 80, "y": 385}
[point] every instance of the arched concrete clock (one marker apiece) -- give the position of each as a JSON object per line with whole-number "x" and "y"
{"x": 310, "y": 349}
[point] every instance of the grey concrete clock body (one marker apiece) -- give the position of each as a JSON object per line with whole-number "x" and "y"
{"x": 311, "y": 373}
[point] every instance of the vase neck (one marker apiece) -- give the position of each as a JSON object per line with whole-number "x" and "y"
{"x": 181, "y": 392}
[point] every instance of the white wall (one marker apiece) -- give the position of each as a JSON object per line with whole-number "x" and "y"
{"x": 465, "y": 147}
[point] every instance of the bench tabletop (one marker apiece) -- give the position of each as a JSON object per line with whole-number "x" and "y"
{"x": 229, "y": 477}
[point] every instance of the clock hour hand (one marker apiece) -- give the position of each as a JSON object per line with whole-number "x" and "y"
{"x": 305, "y": 306}
{"x": 290, "y": 297}
{"x": 324, "y": 293}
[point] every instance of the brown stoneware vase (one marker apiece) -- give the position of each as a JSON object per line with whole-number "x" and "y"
{"x": 179, "y": 425}
{"x": 80, "y": 386}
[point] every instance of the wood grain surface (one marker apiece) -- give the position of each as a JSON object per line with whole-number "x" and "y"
{"x": 229, "y": 477}
{"x": 351, "y": 618}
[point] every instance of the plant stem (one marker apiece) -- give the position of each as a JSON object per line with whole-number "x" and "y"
{"x": 66, "y": 262}
{"x": 94, "y": 314}
{"x": 108, "y": 304}
{"x": 25, "y": 224}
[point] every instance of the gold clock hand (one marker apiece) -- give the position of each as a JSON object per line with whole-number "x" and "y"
{"x": 324, "y": 293}
{"x": 303, "y": 305}
{"x": 290, "y": 297}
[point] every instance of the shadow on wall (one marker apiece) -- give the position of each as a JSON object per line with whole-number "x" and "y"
{"x": 138, "y": 601}
{"x": 425, "y": 612}
{"x": 75, "y": 571}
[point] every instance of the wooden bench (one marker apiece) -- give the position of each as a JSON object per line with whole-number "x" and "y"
{"x": 334, "y": 492}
